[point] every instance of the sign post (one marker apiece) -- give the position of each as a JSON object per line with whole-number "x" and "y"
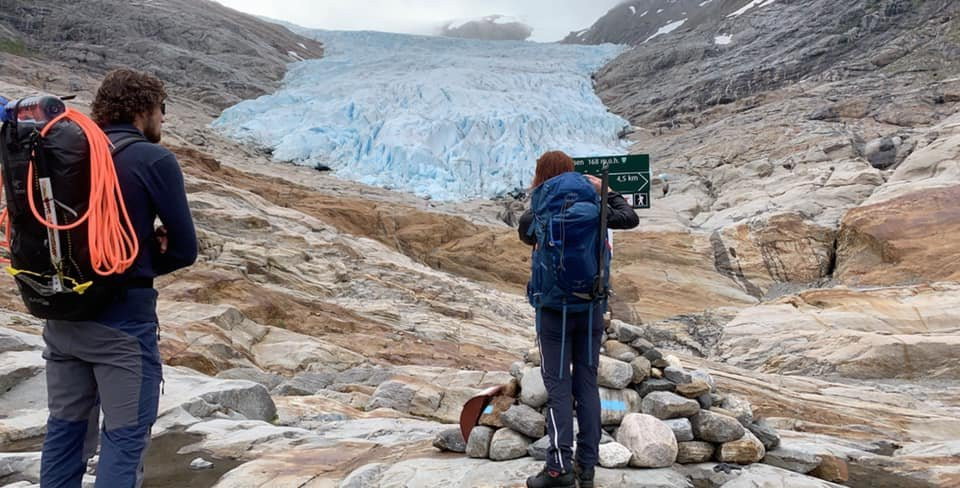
{"x": 629, "y": 175}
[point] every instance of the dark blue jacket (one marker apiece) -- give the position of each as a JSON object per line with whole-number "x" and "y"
{"x": 152, "y": 185}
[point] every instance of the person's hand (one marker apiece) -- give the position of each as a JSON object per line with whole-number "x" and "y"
{"x": 160, "y": 236}
{"x": 596, "y": 182}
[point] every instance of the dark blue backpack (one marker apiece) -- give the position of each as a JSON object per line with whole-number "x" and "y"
{"x": 565, "y": 266}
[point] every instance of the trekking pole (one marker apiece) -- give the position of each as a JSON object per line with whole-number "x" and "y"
{"x": 602, "y": 248}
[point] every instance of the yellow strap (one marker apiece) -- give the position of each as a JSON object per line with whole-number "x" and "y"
{"x": 78, "y": 288}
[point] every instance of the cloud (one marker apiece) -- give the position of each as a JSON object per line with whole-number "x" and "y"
{"x": 551, "y": 20}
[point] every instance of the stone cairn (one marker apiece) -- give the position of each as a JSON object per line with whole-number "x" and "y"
{"x": 654, "y": 413}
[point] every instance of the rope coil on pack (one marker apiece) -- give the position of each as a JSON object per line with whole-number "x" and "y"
{"x": 112, "y": 240}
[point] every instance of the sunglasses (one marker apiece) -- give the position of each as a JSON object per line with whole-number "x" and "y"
{"x": 163, "y": 108}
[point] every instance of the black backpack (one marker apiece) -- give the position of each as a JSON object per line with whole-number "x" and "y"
{"x": 70, "y": 290}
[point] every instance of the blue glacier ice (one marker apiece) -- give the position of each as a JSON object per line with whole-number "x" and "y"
{"x": 449, "y": 119}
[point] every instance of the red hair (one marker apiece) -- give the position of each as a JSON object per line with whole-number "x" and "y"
{"x": 550, "y": 164}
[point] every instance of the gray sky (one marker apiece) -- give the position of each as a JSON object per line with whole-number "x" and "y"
{"x": 551, "y": 19}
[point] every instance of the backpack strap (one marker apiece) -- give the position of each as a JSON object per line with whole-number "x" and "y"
{"x": 125, "y": 142}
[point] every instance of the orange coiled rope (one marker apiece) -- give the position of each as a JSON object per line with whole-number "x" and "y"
{"x": 113, "y": 247}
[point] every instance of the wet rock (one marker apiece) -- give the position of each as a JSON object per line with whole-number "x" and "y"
{"x": 525, "y": 420}
{"x": 792, "y": 459}
{"x": 478, "y": 446}
{"x": 695, "y": 389}
{"x": 641, "y": 369}
{"x": 694, "y": 452}
{"x": 713, "y": 427}
{"x": 666, "y": 405}
{"x": 614, "y": 455}
{"x": 450, "y": 440}
{"x": 682, "y": 429}
{"x": 653, "y": 384}
{"x": 613, "y": 373}
{"x": 532, "y": 390}
{"x": 620, "y": 351}
{"x": 507, "y": 444}
{"x": 200, "y": 464}
{"x": 651, "y": 441}
{"x": 746, "y": 450}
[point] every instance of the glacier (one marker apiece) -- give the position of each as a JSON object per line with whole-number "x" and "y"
{"x": 443, "y": 118}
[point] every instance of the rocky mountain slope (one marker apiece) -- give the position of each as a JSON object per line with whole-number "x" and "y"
{"x": 799, "y": 249}
{"x": 213, "y": 54}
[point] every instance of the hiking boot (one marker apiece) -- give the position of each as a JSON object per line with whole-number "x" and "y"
{"x": 551, "y": 479}
{"x": 584, "y": 476}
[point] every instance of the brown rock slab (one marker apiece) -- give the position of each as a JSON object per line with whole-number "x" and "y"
{"x": 693, "y": 390}
{"x": 500, "y": 404}
{"x": 694, "y": 452}
{"x": 831, "y": 469}
{"x": 746, "y": 450}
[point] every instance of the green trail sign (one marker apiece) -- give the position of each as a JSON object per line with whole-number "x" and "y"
{"x": 629, "y": 175}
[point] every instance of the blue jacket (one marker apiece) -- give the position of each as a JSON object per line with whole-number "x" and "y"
{"x": 152, "y": 185}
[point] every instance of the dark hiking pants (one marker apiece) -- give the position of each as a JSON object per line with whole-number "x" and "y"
{"x": 113, "y": 365}
{"x": 574, "y": 344}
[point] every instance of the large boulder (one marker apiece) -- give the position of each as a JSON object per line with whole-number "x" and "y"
{"x": 507, "y": 444}
{"x": 665, "y": 405}
{"x": 614, "y": 455}
{"x": 746, "y": 450}
{"x": 478, "y": 446}
{"x": 651, "y": 441}
{"x": 613, "y": 373}
{"x": 714, "y": 427}
{"x": 525, "y": 420}
{"x": 532, "y": 390}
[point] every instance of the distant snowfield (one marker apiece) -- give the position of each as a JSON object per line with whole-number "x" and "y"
{"x": 722, "y": 40}
{"x": 439, "y": 117}
{"x": 754, "y": 3}
{"x": 672, "y": 26}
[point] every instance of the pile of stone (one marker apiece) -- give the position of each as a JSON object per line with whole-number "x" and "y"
{"x": 654, "y": 412}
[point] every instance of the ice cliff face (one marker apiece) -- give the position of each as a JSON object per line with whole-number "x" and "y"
{"x": 444, "y": 118}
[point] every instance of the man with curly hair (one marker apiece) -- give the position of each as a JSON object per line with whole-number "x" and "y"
{"x": 113, "y": 362}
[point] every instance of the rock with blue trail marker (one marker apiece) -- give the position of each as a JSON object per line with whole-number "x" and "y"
{"x": 616, "y": 404}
